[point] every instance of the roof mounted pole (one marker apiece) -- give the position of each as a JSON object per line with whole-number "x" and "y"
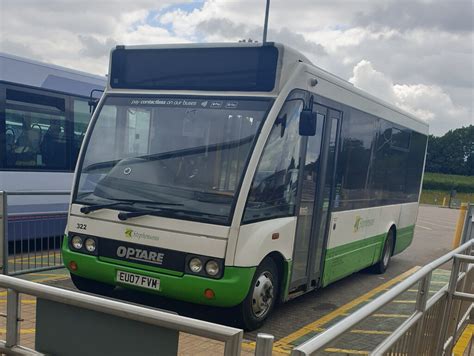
{"x": 265, "y": 26}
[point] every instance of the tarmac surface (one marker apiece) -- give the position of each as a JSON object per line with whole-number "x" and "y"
{"x": 298, "y": 320}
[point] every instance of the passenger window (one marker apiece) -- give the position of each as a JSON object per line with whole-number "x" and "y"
{"x": 274, "y": 187}
{"x": 35, "y": 131}
{"x": 400, "y": 139}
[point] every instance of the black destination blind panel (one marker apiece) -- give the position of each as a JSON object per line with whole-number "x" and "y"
{"x": 210, "y": 69}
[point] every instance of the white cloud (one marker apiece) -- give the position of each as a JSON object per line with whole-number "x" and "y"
{"x": 427, "y": 102}
{"x": 419, "y": 58}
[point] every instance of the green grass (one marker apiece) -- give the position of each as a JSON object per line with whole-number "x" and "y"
{"x": 435, "y": 197}
{"x": 446, "y": 182}
{"x": 437, "y": 186}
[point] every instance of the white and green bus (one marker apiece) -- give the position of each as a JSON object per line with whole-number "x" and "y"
{"x": 238, "y": 175}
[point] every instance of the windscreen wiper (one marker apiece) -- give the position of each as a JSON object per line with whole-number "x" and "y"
{"x": 124, "y": 215}
{"x": 89, "y": 208}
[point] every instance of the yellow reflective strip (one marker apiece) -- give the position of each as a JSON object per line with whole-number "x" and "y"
{"x": 22, "y": 331}
{"x": 23, "y": 301}
{"x": 463, "y": 341}
{"x": 404, "y": 301}
{"x": 346, "y": 351}
{"x": 391, "y": 315}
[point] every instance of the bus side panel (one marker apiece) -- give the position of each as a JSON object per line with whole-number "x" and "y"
{"x": 257, "y": 240}
{"x": 356, "y": 240}
{"x": 406, "y": 228}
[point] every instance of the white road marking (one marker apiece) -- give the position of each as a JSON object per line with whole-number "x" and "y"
{"x": 424, "y": 227}
{"x": 444, "y": 226}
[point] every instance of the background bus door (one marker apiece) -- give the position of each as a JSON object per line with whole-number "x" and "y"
{"x": 315, "y": 191}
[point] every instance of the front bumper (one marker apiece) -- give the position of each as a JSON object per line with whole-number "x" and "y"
{"x": 229, "y": 291}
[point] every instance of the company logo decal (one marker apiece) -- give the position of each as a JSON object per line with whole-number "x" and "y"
{"x": 361, "y": 223}
{"x": 132, "y": 234}
{"x": 138, "y": 254}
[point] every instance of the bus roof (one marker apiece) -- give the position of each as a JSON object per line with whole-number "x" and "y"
{"x": 28, "y": 72}
{"x": 142, "y": 61}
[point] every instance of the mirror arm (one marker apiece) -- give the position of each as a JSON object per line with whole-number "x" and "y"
{"x": 308, "y": 107}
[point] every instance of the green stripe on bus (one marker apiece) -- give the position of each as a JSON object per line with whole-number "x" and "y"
{"x": 346, "y": 259}
{"x": 230, "y": 290}
{"x": 404, "y": 238}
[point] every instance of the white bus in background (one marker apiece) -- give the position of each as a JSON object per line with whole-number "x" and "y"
{"x": 44, "y": 114}
{"x": 238, "y": 176}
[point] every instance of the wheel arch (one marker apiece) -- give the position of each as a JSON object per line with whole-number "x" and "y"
{"x": 393, "y": 227}
{"x": 283, "y": 271}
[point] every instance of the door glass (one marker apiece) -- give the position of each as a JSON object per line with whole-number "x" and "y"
{"x": 308, "y": 195}
{"x": 327, "y": 187}
{"x": 274, "y": 187}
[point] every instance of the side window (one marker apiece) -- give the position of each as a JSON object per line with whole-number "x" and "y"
{"x": 81, "y": 117}
{"x": 358, "y": 135}
{"x": 400, "y": 139}
{"x": 105, "y": 130}
{"x": 274, "y": 187}
{"x": 35, "y": 136}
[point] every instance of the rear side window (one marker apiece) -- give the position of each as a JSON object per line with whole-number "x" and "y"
{"x": 400, "y": 139}
{"x": 35, "y": 131}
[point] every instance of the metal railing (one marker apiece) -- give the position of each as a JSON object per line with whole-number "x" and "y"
{"x": 231, "y": 337}
{"x": 30, "y": 241}
{"x": 468, "y": 229}
{"x": 435, "y": 324}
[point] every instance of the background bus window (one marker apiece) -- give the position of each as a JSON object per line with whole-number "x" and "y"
{"x": 81, "y": 117}
{"x": 35, "y": 131}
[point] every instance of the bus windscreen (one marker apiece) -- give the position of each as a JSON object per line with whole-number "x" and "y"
{"x": 210, "y": 69}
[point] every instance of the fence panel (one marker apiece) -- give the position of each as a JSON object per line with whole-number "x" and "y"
{"x": 32, "y": 234}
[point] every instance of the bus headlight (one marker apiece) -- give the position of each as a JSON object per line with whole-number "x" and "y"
{"x": 77, "y": 242}
{"x": 195, "y": 265}
{"x": 212, "y": 268}
{"x": 90, "y": 245}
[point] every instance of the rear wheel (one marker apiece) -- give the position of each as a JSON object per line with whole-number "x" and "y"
{"x": 381, "y": 266}
{"x": 262, "y": 296}
{"x": 88, "y": 285}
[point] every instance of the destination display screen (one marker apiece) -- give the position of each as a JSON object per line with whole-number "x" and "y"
{"x": 209, "y": 69}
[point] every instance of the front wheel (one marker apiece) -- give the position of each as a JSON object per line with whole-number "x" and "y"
{"x": 262, "y": 296}
{"x": 90, "y": 286}
{"x": 381, "y": 266}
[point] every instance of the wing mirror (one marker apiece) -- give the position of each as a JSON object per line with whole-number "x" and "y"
{"x": 308, "y": 120}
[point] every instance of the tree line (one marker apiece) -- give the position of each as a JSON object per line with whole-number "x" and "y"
{"x": 452, "y": 153}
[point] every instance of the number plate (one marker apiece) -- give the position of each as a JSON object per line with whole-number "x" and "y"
{"x": 138, "y": 280}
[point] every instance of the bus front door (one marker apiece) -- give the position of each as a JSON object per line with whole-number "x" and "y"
{"x": 315, "y": 191}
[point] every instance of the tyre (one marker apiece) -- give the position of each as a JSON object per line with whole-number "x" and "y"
{"x": 90, "y": 286}
{"x": 261, "y": 298}
{"x": 382, "y": 265}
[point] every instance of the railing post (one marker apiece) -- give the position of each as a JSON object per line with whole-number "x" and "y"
{"x": 264, "y": 346}
{"x": 13, "y": 311}
{"x": 421, "y": 299}
{"x": 233, "y": 346}
{"x": 445, "y": 321}
{"x": 4, "y": 232}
